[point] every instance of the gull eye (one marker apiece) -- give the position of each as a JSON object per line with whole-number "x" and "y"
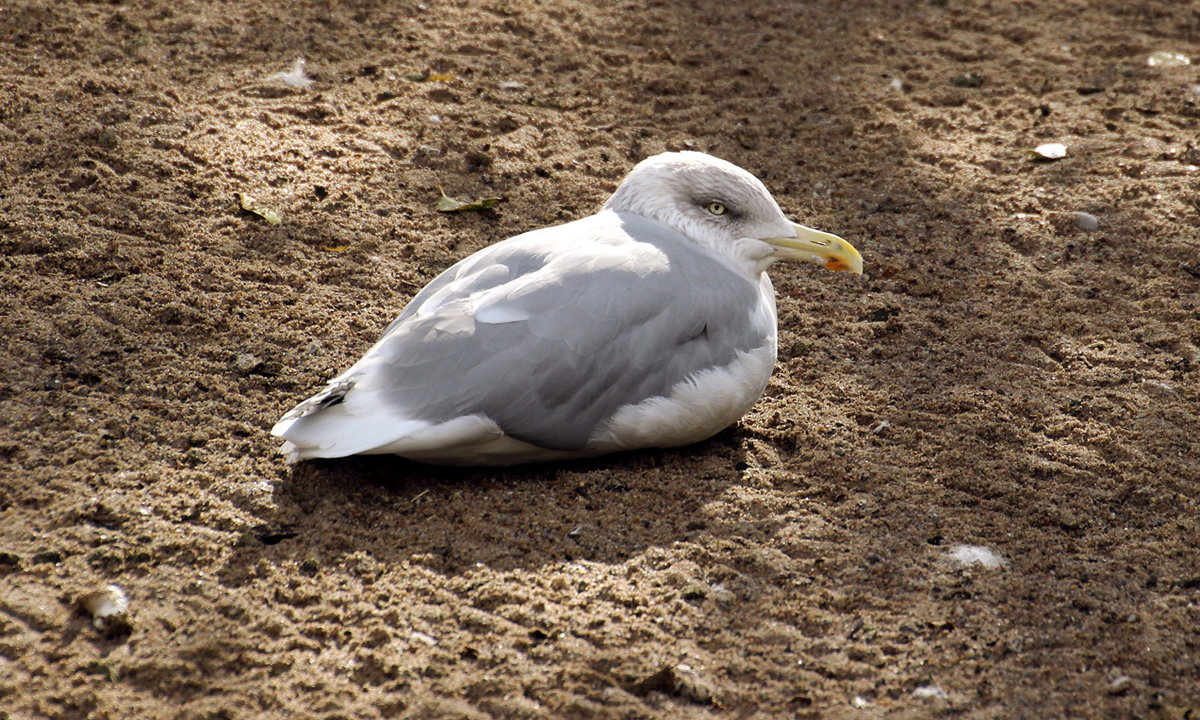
{"x": 716, "y": 207}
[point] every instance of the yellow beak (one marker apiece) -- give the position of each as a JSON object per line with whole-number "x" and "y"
{"x": 819, "y": 247}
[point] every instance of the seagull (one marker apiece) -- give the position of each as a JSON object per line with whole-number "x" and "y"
{"x": 650, "y": 324}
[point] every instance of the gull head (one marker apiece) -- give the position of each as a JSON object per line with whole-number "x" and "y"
{"x": 720, "y": 206}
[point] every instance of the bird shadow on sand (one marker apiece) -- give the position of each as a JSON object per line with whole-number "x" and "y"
{"x": 451, "y": 519}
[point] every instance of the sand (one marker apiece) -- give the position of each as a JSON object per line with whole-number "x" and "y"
{"x": 1000, "y": 377}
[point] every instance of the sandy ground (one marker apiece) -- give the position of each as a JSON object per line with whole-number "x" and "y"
{"x": 1000, "y": 377}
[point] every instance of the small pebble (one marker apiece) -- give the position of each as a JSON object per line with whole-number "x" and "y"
{"x": 1087, "y": 222}
{"x": 929, "y": 691}
{"x": 246, "y": 363}
{"x": 1119, "y": 684}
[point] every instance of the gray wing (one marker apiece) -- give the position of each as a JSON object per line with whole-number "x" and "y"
{"x": 550, "y": 339}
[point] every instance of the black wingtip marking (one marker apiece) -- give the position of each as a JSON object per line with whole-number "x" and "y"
{"x": 330, "y": 396}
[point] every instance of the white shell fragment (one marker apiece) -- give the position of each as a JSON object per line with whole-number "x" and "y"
{"x": 423, "y": 638}
{"x": 1163, "y": 58}
{"x": 1050, "y": 151}
{"x": 929, "y": 691}
{"x": 104, "y": 604}
{"x": 295, "y": 77}
{"x": 976, "y": 555}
